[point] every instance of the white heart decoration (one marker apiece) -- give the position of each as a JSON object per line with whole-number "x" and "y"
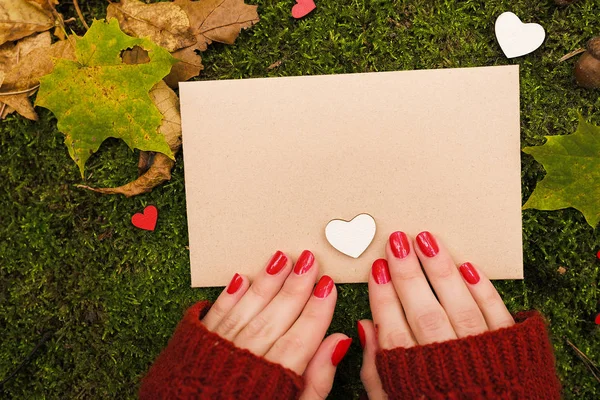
{"x": 516, "y": 38}
{"x": 351, "y": 237}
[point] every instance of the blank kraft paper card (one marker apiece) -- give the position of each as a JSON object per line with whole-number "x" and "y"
{"x": 269, "y": 162}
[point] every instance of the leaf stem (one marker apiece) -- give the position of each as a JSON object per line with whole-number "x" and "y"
{"x": 80, "y": 14}
{"x": 571, "y": 54}
{"x": 586, "y": 361}
{"x": 20, "y": 92}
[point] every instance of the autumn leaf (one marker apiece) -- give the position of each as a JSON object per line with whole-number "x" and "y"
{"x": 218, "y": 20}
{"x": 189, "y": 66}
{"x": 10, "y": 55}
{"x": 21, "y": 18}
{"x": 572, "y": 164}
{"x": 164, "y": 23}
{"x": 12, "y": 52}
{"x": 98, "y": 96}
{"x": 159, "y": 170}
{"x": 23, "y": 79}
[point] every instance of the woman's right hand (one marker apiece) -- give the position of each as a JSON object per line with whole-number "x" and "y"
{"x": 283, "y": 317}
{"x": 407, "y": 313}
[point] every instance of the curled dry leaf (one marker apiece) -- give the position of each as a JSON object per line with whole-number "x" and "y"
{"x": 24, "y": 78}
{"x": 167, "y": 103}
{"x": 166, "y": 24}
{"x": 21, "y": 18}
{"x": 218, "y": 20}
{"x": 189, "y": 66}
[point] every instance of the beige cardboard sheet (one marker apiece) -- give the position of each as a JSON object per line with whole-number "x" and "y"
{"x": 269, "y": 162}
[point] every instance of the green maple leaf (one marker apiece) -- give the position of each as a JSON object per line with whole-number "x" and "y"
{"x": 97, "y": 96}
{"x": 572, "y": 164}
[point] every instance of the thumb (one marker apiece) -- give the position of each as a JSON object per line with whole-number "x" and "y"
{"x": 368, "y": 372}
{"x": 319, "y": 374}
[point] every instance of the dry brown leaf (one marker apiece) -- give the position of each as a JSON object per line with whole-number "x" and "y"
{"x": 136, "y": 55}
{"x": 21, "y": 18}
{"x": 189, "y": 66}
{"x": 274, "y": 65}
{"x": 12, "y": 52}
{"x": 165, "y": 23}
{"x": 167, "y": 103}
{"x": 218, "y": 20}
{"x": 23, "y": 79}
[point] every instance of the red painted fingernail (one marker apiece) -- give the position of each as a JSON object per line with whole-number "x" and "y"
{"x": 324, "y": 287}
{"x": 380, "y": 271}
{"x": 235, "y": 284}
{"x": 427, "y": 244}
{"x": 469, "y": 272}
{"x": 399, "y": 244}
{"x": 277, "y": 263}
{"x": 305, "y": 261}
{"x": 361, "y": 334}
{"x": 340, "y": 351}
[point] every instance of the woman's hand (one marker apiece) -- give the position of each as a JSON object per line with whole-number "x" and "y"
{"x": 407, "y": 313}
{"x": 280, "y": 317}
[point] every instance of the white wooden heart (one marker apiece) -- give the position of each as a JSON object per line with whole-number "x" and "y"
{"x": 351, "y": 237}
{"x": 516, "y": 38}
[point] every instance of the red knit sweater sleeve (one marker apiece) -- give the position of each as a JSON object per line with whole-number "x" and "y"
{"x": 509, "y": 363}
{"x": 198, "y": 364}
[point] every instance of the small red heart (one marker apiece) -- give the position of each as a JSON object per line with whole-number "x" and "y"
{"x": 597, "y": 320}
{"x": 302, "y": 8}
{"x": 147, "y": 219}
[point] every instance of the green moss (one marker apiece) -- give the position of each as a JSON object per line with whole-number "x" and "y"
{"x": 71, "y": 263}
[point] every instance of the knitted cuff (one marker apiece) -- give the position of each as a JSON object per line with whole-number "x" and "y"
{"x": 199, "y": 364}
{"x": 509, "y": 363}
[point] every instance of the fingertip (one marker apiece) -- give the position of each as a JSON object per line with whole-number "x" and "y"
{"x": 369, "y": 331}
{"x": 238, "y": 284}
{"x": 361, "y": 334}
{"x": 321, "y": 370}
{"x": 340, "y": 350}
{"x": 325, "y": 288}
{"x": 368, "y": 371}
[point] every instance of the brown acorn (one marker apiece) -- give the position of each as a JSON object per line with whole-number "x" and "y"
{"x": 587, "y": 68}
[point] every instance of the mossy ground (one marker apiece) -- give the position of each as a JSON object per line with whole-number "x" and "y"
{"x": 71, "y": 263}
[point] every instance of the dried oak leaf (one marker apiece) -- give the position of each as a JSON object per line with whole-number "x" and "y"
{"x": 218, "y": 20}
{"x": 167, "y": 103}
{"x": 98, "y": 96}
{"x": 572, "y": 164}
{"x": 24, "y": 78}
{"x": 21, "y": 18}
{"x": 164, "y": 23}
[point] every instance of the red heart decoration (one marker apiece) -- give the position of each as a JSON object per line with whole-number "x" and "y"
{"x": 147, "y": 219}
{"x": 597, "y": 319}
{"x": 302, "y": 8}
